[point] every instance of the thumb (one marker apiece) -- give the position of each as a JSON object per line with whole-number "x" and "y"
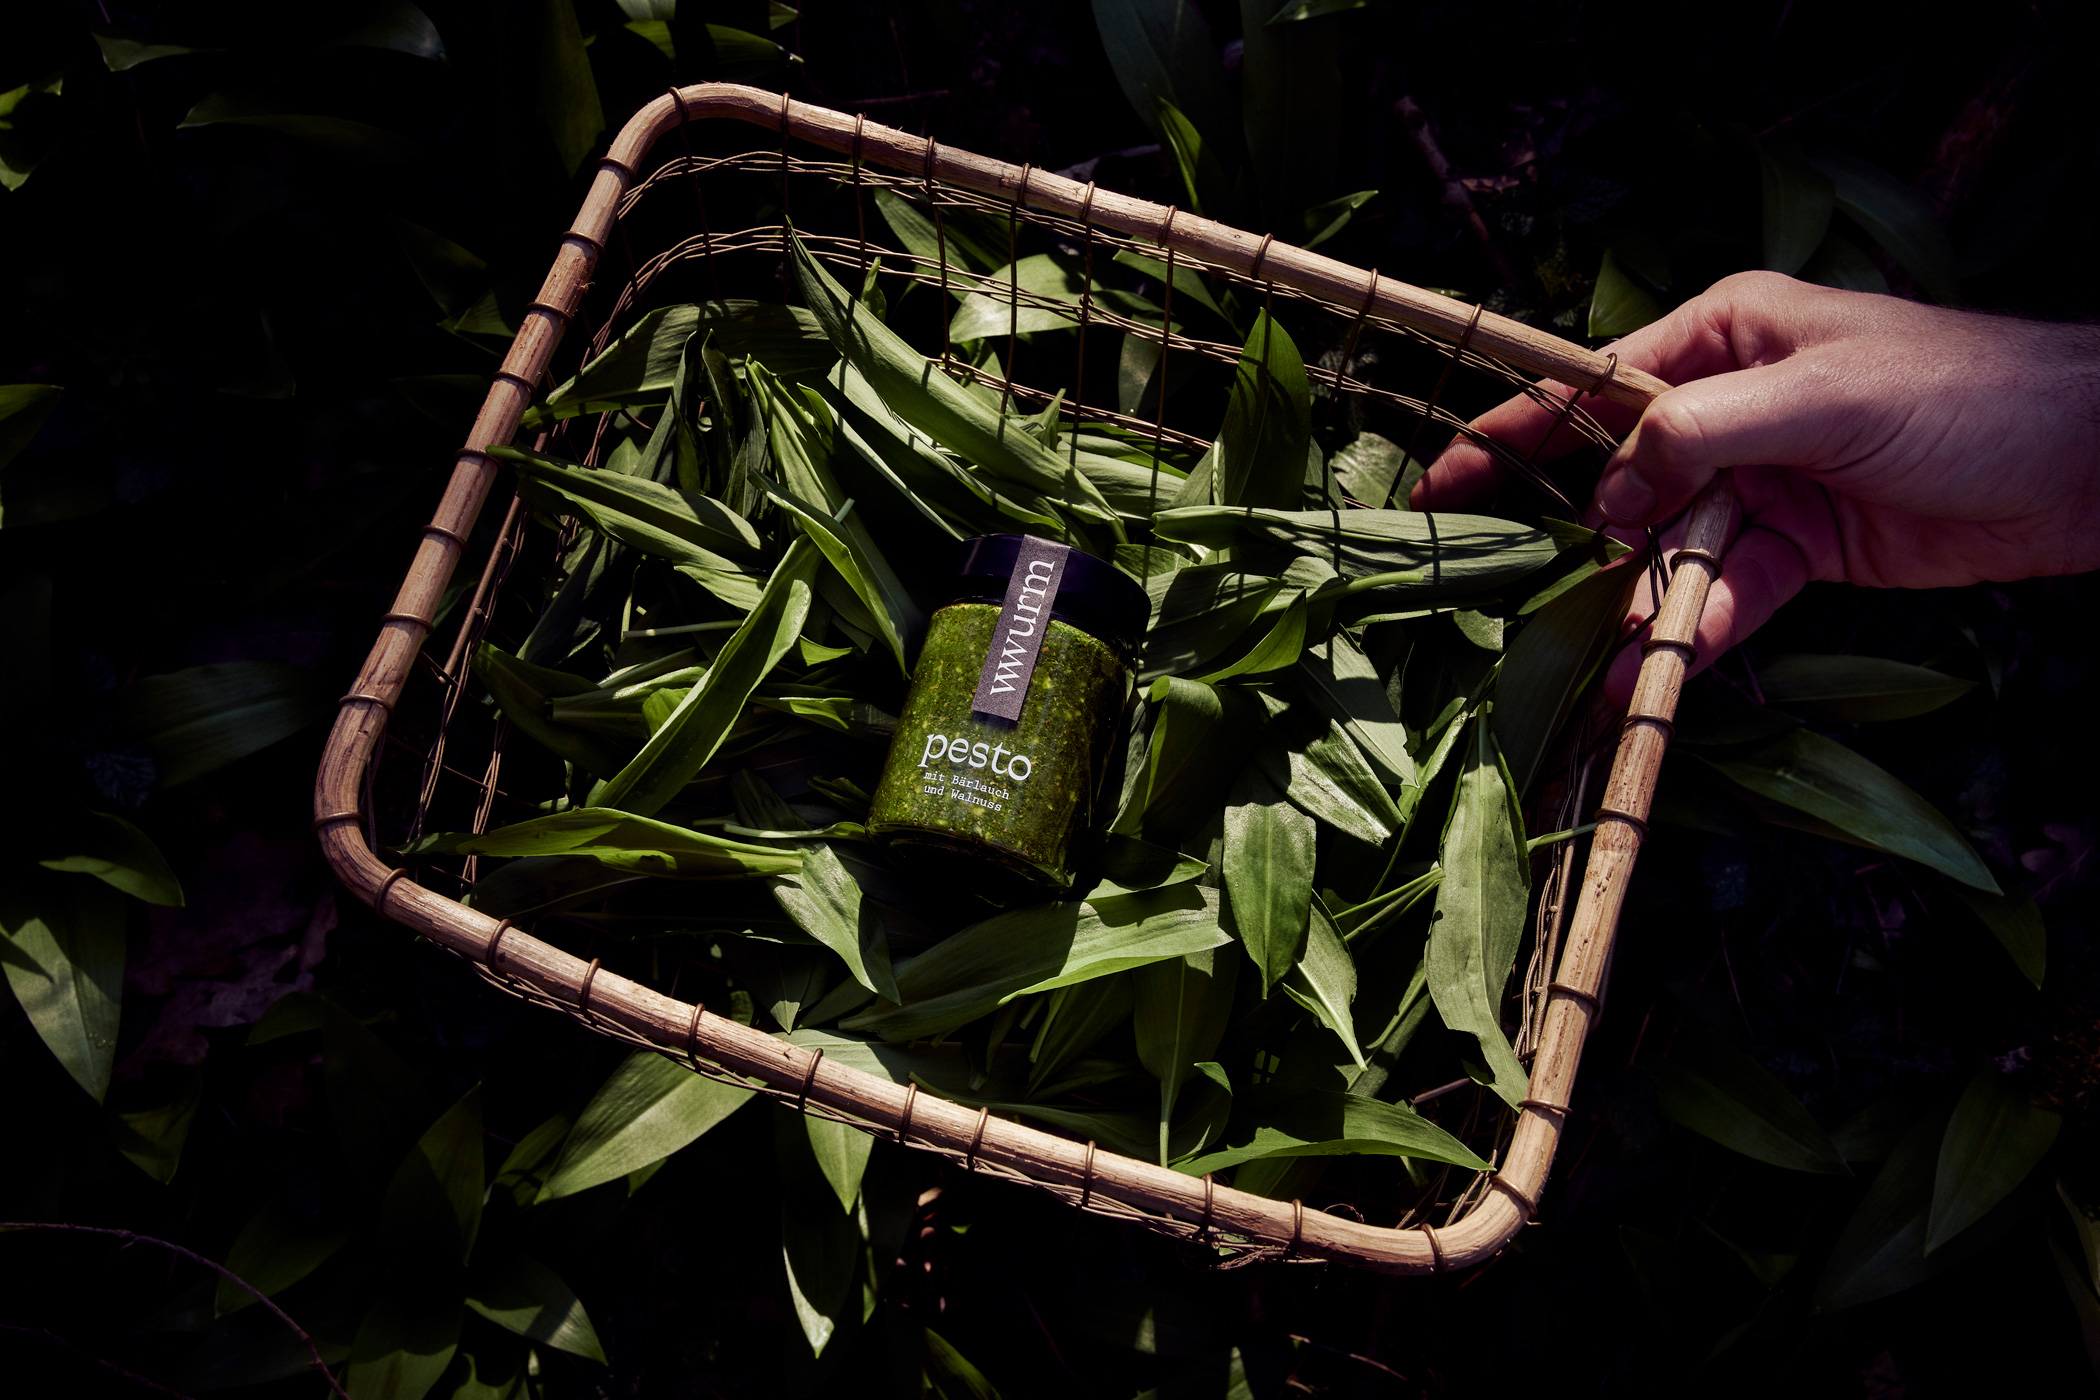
{"x": 1770, "y": 415}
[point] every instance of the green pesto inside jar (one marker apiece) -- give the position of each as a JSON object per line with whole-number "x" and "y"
{"x": 1000, "y": 808}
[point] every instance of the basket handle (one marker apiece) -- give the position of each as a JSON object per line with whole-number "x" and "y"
{"x": 1261, "y": 257}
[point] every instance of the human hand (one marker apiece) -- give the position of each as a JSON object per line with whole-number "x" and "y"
{"x": 1874, "y": 441}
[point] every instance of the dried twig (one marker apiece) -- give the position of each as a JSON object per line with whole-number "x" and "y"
{"x": 1352, "y": 1355}
{"x": 51, "y": 1338}
{"x": 129, "y": 1237}
{"x": 1455, "y": 193}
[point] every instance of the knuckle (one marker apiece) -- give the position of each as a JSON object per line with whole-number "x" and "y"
{"x": 1755, "y": 299}
{"x": 1753, "y": 286}
{"x": 1671, "y": 439}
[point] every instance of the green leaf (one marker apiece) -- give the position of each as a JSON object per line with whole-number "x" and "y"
{"x": 533, "y": 885}
{"x": 850, "y": 549}
{"x": 1037, "y": 949}
{"x": 1993, "y": 1143}
{"x": 403, "y": 1347}
{"x": 1199, "y": 612}
{"x": 1455, "y": 554}
{"x": 675, "y": 455}
{"x": 800, "y": 431}
{"x": 1164, "y": 47}
{"x": 530, "y": 1299}
{"x": 997, "y": 301}
{"x": 1846, "y": 689}
{"x": 2015, "y": 922}
{"x": 1261, "y": 446}
{"x": 1798, "y": 200}
{"x": 639, "y": 367}
{"x": 499, "y": 1378}
{"x": 1619, "y": 305}
{"x": 1203, "y": 169}
{"x": 1181, "y": 1009}
{"x": 1831, "y": 783}
{"x": 523, "y": 692}
{"x": 738, "y": 48}
{"x": 201, "y": 719}
{"x": 280, "y": 1244}
{"x": 1342, "y": 684}
{"x": 825, "y": 901}
{"x": 1188, "y": 286}
{"x": 1480, "y": 910}
{"x": 1324, "y": 221}
{"x": 950, "y": 500}
{"x": 1177, "y": 785}
{"x": 28, "y": 128}
{"x": 1270, "y": 847}
{"x": 820, "y": 1242}
{"x": 841, "y": 1154}
{"x": 1277, "y": 648}
{"x": 1324, "y": 983}
{"x": 564, "y": 92}
{"x": 590, "y": 582}
{"x": 432, "y": 1206}
{"x": 1897, "y": 217}
{"x": 678, "y": 750}
{"x": 1291, "y": 105}
{"x": 1076, "y": 1017}
{"x": 911, "y": 388}
{"x": 118, "y": 854}
{"x": 622, "y": 841}
{"x": 121, "y": 54}
{"x": 337, "y": 134}
{"x": 1370, "y": 469}
{"x": 1882, "y": 1247}
{"x": 1330, "y": 780}
{"x": 682, "y": 527}
{"x": 151, "y": 1138}
{"x": 395, "y": 25}
{"x": 949, "y": 1371}
{"x": 956, "y": 236}
{"x": 1553, "y": 659}
{"x": 23, "y": 409}
{"x": 650, "y": 1108}
{"x": 1721, "y": 1093}
{"x": 1331, "y": 1123}
{"x": 62, "y": 943}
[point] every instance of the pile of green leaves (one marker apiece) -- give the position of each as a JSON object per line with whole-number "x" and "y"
{"x": 1257, "y": 941}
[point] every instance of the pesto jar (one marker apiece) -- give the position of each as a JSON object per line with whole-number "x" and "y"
{"x": 991, "y": 781}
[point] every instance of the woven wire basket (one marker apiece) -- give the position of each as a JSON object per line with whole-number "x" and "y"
{"x": 445, "y": 761}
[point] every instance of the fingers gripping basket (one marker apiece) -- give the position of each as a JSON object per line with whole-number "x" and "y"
{"x": 1484, "y": 1216}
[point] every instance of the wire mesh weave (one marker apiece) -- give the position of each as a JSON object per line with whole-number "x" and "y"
{"x": 410, "y": 756}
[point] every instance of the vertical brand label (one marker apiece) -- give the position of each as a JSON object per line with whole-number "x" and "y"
{"x": 1018, "y": 637}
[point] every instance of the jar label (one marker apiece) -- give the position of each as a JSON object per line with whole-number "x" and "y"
{"x": 1009, "y": 663}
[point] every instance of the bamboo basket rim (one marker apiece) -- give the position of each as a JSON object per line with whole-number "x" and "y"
{"x": 1243, "y": 1225}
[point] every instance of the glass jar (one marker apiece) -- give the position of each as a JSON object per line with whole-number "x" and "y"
{"x": 992, "y": 778}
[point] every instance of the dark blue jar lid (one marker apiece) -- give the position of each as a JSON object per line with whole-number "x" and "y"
{"x": 1092, "y": 594}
